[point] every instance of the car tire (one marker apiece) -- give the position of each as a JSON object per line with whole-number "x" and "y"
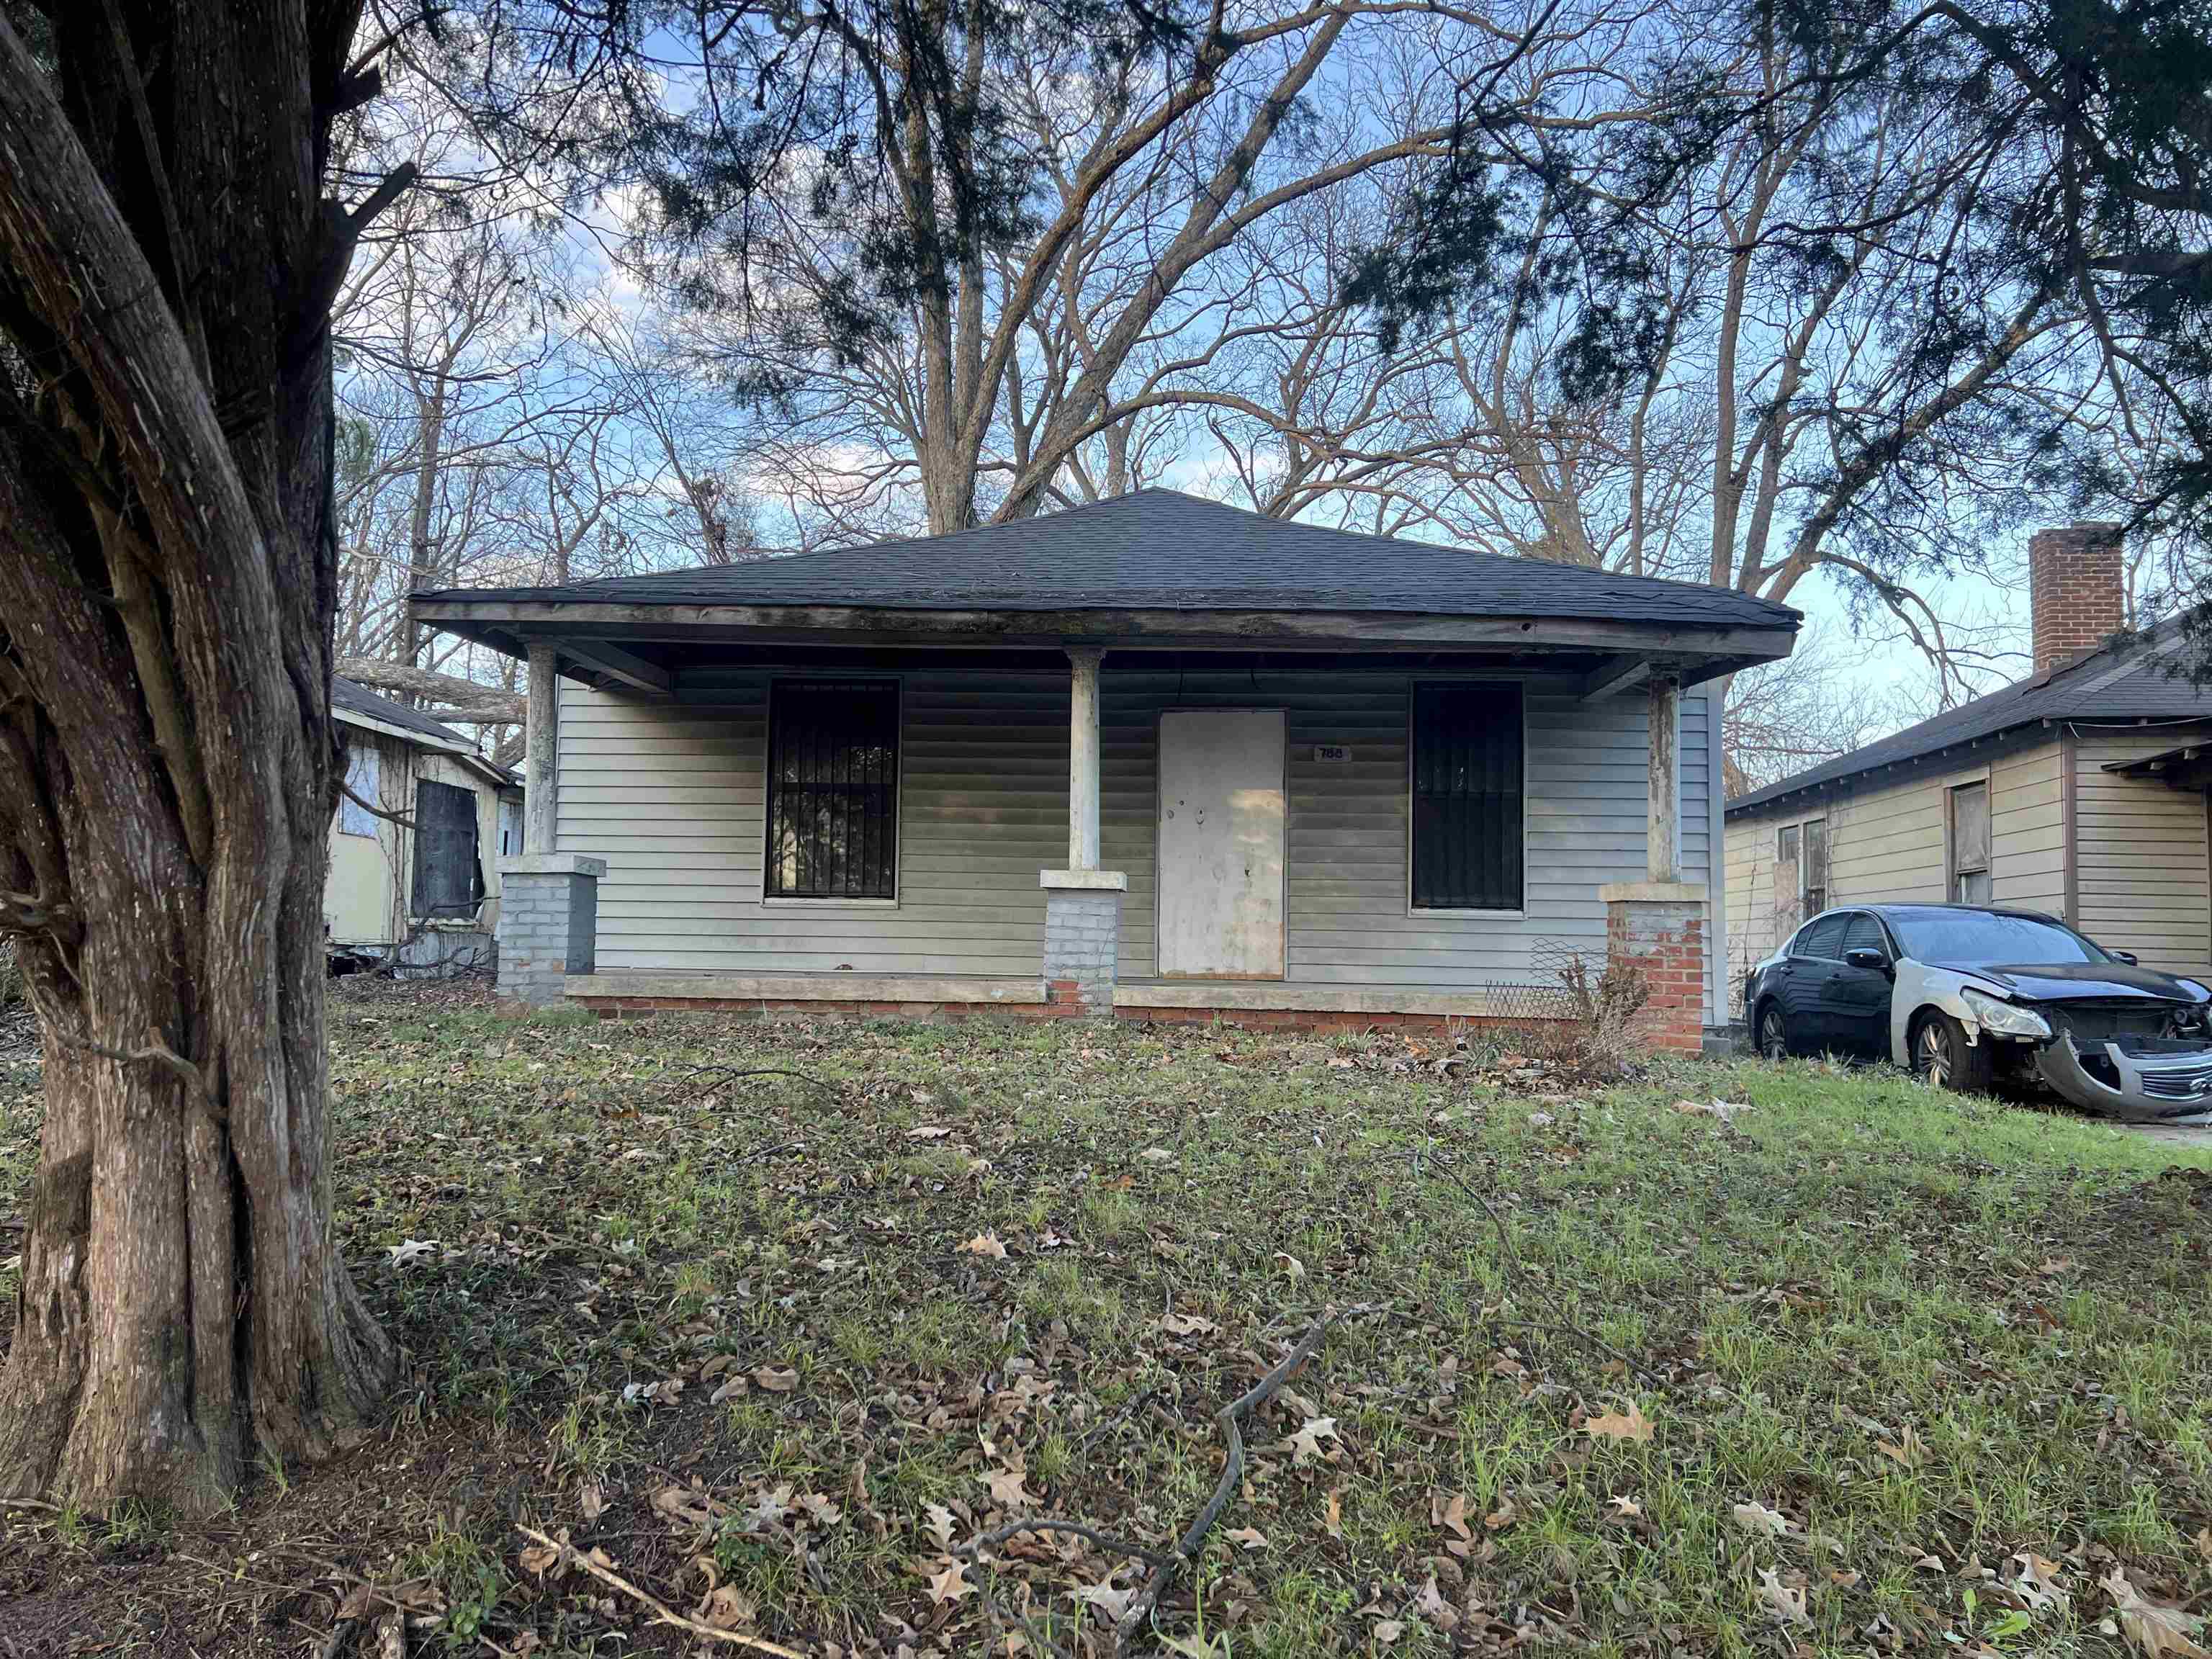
{"x": 1942, "y": 1057}
{"x": 1771, "y": 1033}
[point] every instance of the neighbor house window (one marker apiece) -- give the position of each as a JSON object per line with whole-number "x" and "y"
{"x": 1815, "y": 869}
{"x": 360, "y": 790}
{"x": 833, "y": 766}
{"x": 447, "y": 881}
{"x": 1970, "y": 844}
{"x": 1468, "y": 776}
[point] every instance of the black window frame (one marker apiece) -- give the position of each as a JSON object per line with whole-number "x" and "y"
{"x": 451, "y": 829}
{"x": 874, "y": 879}
{"x": 1467, "y": 893}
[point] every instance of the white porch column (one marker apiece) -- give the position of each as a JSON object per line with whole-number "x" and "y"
{"x": 541, "y": 750}
{"x": 1082, "y": 903}
{"x": 1083, "y": 758}
{"x": 1662, "y": 826}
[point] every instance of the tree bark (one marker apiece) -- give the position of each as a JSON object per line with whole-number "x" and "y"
{"x": 464, "y": 699}
{"x": 166, "y": 761}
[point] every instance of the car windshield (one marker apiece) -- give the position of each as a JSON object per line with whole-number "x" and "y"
{"x": 1983, "y": 938}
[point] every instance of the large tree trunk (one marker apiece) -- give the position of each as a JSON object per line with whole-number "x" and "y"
{"x": 166, "y": 772}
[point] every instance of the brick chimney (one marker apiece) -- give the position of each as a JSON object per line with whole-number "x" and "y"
{"x": 2076, "y": 589}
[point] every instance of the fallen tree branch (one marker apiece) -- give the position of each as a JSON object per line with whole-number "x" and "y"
{"x": 731, "y": 1074}
{"x": 486, "y": 704}
{"x": 372, "y": 810}
{"x": 1105, "y": 1540}
{"x": 662, "y": 1613}
{"x": 1231, "y": 1417}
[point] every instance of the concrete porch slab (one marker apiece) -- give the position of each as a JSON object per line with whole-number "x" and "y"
{"x": 1290, "y": 996}
{"x": 832, "y": 987}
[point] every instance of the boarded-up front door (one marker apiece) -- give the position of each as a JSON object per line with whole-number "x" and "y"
{"x": 1221, "y": 843}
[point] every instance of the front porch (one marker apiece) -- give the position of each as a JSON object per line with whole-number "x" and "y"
{"x": 1233, "y": 836}
{"x": 1318, "y": 1007}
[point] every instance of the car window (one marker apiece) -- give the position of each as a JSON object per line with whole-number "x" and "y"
{"x": 1989, "y": 939}
{"x": 1864, "y": 934}
{"x": 1823, "y": 939}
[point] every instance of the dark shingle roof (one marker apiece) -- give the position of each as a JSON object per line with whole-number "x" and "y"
{"x": 359, "y": 700}
{"x": 1161, "y": 549}
{"x": 2132, "y": 679}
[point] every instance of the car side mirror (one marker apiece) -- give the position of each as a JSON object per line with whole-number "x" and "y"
{"x": 2127, "y": 956}
{"x": 1866, "y": 957}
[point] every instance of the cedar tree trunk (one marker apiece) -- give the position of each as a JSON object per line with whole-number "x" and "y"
{"x": 166, "y": 763}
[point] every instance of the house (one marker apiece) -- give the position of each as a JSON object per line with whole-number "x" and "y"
{"x": 1152, "y": 757}
{"x": 2080, "y": 791}
{"x": 425, "y": 889}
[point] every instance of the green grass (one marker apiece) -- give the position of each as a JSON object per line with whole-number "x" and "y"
{"x": 1936, "y": 1338}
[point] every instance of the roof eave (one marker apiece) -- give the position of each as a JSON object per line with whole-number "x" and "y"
{"x": 507, "y": 624}
{"x": 452, "y": 746}
{"x": 1784, "y": 792}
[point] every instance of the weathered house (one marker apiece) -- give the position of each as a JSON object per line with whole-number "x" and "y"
{"x": 1154, "y": 756}
{"x": 422, "y": 881}
{"x": 2080, "y": 791}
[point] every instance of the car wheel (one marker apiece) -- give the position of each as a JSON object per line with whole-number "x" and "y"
{"x": 1773, "y": 1033}
{"x": 1943, "y": 1058}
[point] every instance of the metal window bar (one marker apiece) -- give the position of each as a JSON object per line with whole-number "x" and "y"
{"x": 833, "y": 789}
{"x": 1467, "y": 804}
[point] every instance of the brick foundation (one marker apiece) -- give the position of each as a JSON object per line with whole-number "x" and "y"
{"x": 1658, "y": 930}
{"x": 1319, "y": 1022}
{"x": 549, "y": 912}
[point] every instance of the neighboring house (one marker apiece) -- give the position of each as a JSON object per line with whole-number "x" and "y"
{"x": 1317, "y": 777}
{"x": 2081, "y": 790}
{"x": 427, "y": 888}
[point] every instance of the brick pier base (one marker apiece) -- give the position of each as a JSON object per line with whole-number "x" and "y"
{"x": 1658, "y": 929}
{"x": 549, "y": 923}
{"x": 1082, "y": 940}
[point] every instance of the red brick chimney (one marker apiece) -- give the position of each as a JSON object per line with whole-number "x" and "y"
{"x": 2076, "y": 589}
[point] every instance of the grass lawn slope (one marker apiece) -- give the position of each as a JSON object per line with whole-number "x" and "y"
{"x": 1835, "y": 1366}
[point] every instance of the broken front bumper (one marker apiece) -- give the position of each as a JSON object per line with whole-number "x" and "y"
{"x": 2141, "y": 1080}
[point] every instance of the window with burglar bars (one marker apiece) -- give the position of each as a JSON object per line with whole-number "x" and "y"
{"x": 833, "y": 768}
{"x": 1467, "y": 778}
{"x": 448, "y": 882}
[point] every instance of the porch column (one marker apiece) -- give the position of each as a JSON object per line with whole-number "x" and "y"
{"x": 1663, "y": 824}
{"x": 549, "y": 901}
{"x": 541, "y": 750}
{"x": 1655, "y": 929}
{"x": 1082, "y": 903}
{"x": 1083, "y": 758}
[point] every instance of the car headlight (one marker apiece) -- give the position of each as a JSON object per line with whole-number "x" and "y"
{"x": 2004, "y": 1019}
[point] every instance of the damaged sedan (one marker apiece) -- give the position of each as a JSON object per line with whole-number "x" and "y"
{"x": 1968, "y": 996}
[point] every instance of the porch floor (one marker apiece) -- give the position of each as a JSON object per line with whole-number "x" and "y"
{"x": 1481, "y": 1002}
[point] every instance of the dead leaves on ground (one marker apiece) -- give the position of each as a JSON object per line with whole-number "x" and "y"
{"x": 1629, "y": 1425}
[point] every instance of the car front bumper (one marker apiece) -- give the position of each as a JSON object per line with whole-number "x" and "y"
{"x": 2142, "y": 1082}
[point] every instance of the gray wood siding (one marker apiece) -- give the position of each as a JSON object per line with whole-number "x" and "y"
{"x": 2141, "y": 860}
{"x": 674, "y": 798}
{"x": 1890, "y": 844}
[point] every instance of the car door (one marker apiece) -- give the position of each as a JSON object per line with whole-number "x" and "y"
{"x": 1814, "y": 955}
{"x": 1854, "y": 1018}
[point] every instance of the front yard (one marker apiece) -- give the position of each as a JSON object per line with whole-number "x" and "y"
{"x": 1835, "y": 1365}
